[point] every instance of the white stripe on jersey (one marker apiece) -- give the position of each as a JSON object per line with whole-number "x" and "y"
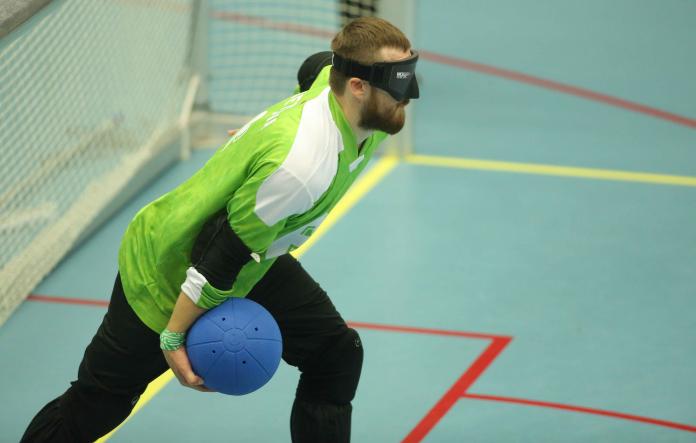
{"x": 193, "y": 285}
{"x": 308, "y": 169}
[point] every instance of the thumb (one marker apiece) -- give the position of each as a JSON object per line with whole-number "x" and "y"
{"x": 190, "y": 376}
{"x": 184, "y": 366}
{"x": 193, "y": 379}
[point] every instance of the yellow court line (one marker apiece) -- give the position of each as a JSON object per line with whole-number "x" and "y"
{"x": 541, "y": 169}
{"x": 152, "y": 389}
{"x": 356, "y": 192}
{"x": 361, "y": 187}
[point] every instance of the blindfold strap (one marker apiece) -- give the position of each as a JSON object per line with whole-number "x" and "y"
{"x": 352, "y": 68}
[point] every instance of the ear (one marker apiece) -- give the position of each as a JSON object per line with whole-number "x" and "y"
{"x": 358, "y": 88}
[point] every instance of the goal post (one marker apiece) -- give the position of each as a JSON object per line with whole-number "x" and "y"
{"x": 248, "y": 53}
{"x": 98, "y": 98}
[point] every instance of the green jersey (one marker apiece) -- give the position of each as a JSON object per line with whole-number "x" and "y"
{"x": 277, "y": 178}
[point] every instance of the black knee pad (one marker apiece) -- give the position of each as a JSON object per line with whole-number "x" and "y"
{"x": 333, "y": 375}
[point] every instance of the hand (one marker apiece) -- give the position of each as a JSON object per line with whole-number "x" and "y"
{"x": 179, "y": 362}
{"x": 231, "y": 132}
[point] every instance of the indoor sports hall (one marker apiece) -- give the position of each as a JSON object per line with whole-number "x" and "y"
{"x": 519, "y": 261}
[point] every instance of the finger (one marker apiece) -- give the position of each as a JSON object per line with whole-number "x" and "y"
{"x": 183, "y": 365}
{"x": 201, "y": 388}
{"x": 193, "y": 380}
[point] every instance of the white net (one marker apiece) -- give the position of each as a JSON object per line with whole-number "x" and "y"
{"x": 89, "y": 91}
{"x": 255, "y": 47}
{"x": 86, "y": 92}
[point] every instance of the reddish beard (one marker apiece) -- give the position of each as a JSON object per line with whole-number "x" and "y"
{"x": 389, "y": 120}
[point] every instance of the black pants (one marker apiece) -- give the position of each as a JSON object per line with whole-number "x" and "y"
{"x": 124, "y": 356}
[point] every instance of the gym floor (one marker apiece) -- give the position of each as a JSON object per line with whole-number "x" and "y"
{"x": 546, "y": 294}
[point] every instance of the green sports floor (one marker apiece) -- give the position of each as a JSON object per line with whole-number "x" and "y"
{"x": 528, "y": 275}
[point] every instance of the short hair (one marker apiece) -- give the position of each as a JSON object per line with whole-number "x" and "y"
{"x": 360, "y": 40}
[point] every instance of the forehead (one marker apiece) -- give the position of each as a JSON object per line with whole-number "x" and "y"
{"x": 391, "y": 54}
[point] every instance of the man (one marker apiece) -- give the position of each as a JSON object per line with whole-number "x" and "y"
{"x": 228, "y": 231}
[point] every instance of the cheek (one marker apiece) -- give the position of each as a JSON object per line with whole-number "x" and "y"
{"x": 382, "y": 102}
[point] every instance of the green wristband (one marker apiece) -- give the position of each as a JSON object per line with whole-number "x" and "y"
{"x": 171, "y": 341}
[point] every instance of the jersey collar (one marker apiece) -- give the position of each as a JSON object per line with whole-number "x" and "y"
{"x": 349, "y": 142}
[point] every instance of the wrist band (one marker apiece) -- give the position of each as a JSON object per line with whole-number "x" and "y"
{"x": 171, "y": 341}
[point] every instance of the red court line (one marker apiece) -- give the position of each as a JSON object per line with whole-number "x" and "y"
{"x": 67, "y": 300}
{"x": 461, "y": 63}
{"x": 544, "y": 404}
{"x": 559, "y": 87}
{"x": 427, "y": 423}
{"x": 459, "y": 388}
{"x": 416, "y": 330}
{"x": 263, "y": 22}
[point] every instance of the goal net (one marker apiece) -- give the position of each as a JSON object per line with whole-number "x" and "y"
{"x": 88, "y": 92}
{"x": 92, "y": 93}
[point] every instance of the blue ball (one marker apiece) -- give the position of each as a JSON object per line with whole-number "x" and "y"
{"x": 235, "y": 347}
